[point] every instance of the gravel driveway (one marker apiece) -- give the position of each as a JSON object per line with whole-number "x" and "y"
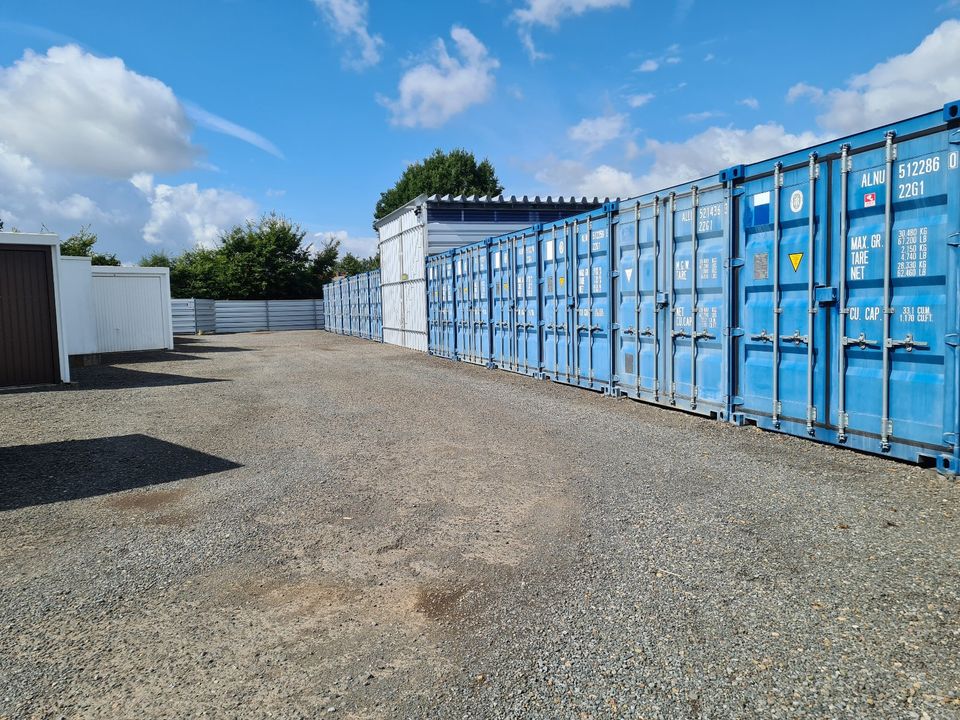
{"x": 295, "y": 525}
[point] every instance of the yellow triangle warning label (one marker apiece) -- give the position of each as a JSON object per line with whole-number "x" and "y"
{"x": 795, "y": 259}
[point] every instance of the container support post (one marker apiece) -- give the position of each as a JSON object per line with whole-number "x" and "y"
{"x": 656, "y": 298}
{"x": 777, "y": 310}
{"x": 694, "y": 269}
{"x": 811, "y": 290}
{"x": 636, "y": 297}
{"x": 891, "y": 155}
{"x": 842, "y": 299}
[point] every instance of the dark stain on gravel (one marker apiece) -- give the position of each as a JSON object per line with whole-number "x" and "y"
{"x": 147, "y": 501}
{"x": 440, "y": 604}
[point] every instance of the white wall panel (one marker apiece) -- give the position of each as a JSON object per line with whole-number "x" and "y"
{"x": 76, "y": 297}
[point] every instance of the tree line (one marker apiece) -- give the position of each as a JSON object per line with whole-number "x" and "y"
{"x": 268, "y": 259}
{"x": 265, "y": 259}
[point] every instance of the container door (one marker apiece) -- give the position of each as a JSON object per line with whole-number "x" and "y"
{"x": 593, "y": 309}
{"x": 478, "y": 303}
{"x": 462, "y": 285}
{"x": 692, "y": 373}
{"x": 638, "y": 286}
{"x": 783, "y": 357}
{"x": 554, "y": 305}
{"x": 526, "y": 329}
{"x": 897, "y": 305}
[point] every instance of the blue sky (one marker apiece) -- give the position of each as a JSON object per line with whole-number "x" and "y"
{"x": 161, "y": 124}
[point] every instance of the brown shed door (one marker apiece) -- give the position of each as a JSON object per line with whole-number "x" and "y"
{"x": 28, "y": 333}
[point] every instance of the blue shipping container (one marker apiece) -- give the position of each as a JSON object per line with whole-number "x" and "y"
{"x": 441, "y": 327}
{"x": 814, "y": 294}
{"x": 352, "y": 306}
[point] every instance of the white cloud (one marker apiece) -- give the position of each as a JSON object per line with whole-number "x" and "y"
{"x": 701, "y": 116}
{"x": 804, "y": 90}
{"x": 717, "y": 148}
{"x": 275, "y": 193}
{"x": 549, "y": 13}
{"x": 570, "y": 176}
{"x": 631, "y": 150}
{"x": 648, "y": 66}
{"x": 709, "y": 57}
{"x": 71, "y": 110}
{"x": 750, "y": 102}
{"x": 206, "y": 119}
{"x": 672, "y": 163}
{"x": 348, "y": 18}
{"x": 362, "y": 247}
{"x": 433, "y": 92}
{"x": 672, "y": 60}
{"x": 596, "y": 132}
{"x": 639, "y": 100}
{"x": 920, "y": 80}
{"x": 183, "y": 216}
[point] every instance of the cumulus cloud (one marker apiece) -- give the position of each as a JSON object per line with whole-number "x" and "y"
{"x": 648, "y": 66}
{"x": 750, "y": 102}
{"x": 433, "y": 92}
{"x": 549, "y": 13}
{"x": 922, "y": 79}
{"x": 348, "y": 19}
{"x": 360, "y": 246}
{"x": 71, "y": 110}
{"x": 639, "y": 100}
{"x": 701, "y": 116}
{"x": 671, "y": 163}
{"x": 184, "y": 216}
{"x": 596, "y": 132}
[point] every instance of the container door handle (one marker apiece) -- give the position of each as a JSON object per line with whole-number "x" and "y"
{"x": 764, "y": 336}
{"x": 796, "y": 338}
{"x": 908, "y": 343}
{"x": 860, "y": 341}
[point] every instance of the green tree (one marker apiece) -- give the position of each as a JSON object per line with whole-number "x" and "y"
{"x": 325, "y": 262}
{"x": 352, "y": 265}
{"x": 198, "y": 273}
{"x": 453, "y": 173}
{"x": 81, "y": 245}
{"x": 157, "y": 259}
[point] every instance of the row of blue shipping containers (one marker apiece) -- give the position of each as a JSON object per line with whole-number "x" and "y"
{"x": 352, "y": 306}
{"x": 813, "y": 294}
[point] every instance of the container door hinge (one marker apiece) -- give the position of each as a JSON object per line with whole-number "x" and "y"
{"x": 952, "y": 339}
{"x": 662, "y": 300}
{"x": 953, "y": 239}
{"x": 738, "y": 191}
{"x": 954, "y": 137}
{"x": 614, "y": 273}
{"x": 735, "y": 400}
{"x": 950, "y": 439}
{"x": 733, "y": 263}
{"x": 615, "y": 326}
{"x": 733, "y": 332}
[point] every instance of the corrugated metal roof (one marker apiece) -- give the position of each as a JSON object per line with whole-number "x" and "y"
{"x": 513, "y": 199}
{"x": 495, "y": 200}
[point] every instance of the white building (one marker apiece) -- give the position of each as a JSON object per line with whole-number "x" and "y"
{"x": 429, "y": 225}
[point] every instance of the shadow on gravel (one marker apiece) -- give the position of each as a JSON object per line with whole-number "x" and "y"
{"x": 108, "y": 377}
{"x": 73, "y": 469}
{"x": 148, "y": 357}
{"x": 192, "y": 345}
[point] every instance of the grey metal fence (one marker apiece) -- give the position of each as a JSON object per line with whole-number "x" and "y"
{"x": 233, "y": 316}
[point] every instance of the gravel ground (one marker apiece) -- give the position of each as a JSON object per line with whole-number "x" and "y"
{"x": 296, "y": 525}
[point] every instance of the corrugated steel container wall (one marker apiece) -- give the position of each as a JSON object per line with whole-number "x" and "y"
{"x": 848, "y": 297}
{"x": 441, "y": 307}
{"x": 514, "y": 266}
{"x": 376, "y": 306}
{"x": 132, "y": 309}
{"x": 471, "y": 271}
